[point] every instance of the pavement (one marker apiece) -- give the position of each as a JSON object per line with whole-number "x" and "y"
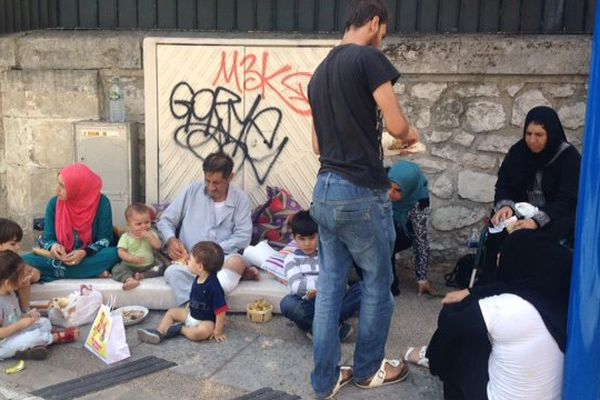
{"x": 275, "y": 354}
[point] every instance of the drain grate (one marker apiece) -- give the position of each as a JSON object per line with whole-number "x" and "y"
{"x": 269, "y": 394}
{"x": 104, "y": 379}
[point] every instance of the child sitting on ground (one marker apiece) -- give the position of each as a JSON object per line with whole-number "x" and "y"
{"x": 204, "y": 316}
{"x": 136, "y": 248}
{"x": 24, "y": 336}
{"x": 11, "y": 235}
{"x": 302, "y": 271}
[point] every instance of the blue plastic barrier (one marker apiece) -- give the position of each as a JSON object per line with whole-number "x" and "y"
{"x": 582, "y": 368}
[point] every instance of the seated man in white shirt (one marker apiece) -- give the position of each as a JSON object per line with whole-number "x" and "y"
{"x": 211, "y": 211}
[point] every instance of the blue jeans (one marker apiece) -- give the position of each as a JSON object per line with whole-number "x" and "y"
{"x": 302, "y": 311}
{"x": 355, "y": 226}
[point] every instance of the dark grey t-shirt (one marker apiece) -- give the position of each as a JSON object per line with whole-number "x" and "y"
{"x": 346, "y": 117}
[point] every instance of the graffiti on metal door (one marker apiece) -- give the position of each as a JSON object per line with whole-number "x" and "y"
{"x": 233, "y": 114}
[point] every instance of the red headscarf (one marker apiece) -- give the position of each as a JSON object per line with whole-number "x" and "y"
{"x": 78, "y": 211}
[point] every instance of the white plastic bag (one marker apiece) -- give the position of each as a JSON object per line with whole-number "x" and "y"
{"x": 527, "y": 210}
{"x": 107, "y": 336}
{"x": 257, "y": 255}
{"x": 79, "y": 308}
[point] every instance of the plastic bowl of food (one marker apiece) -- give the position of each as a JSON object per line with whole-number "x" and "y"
{"x": 132, "y": 314}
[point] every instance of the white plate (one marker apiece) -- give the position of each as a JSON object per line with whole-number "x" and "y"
{"x": 124, "y": 310}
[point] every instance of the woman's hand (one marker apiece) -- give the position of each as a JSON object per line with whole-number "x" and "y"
{"x": 58, "y": 252}
{"x": 504, "y": 213}
{"x": 74, "y": 258}
{"x": 455, "y": 296}
{"x": 524, "y": 224}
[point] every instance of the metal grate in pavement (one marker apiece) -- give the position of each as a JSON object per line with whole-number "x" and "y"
{"x": 104, "y": 379}
{"x": 268, "y": 393}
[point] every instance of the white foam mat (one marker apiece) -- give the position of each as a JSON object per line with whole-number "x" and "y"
{"x": 156, "y": 294}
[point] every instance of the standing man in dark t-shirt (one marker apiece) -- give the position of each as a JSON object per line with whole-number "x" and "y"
{"x": 350, "y": 93}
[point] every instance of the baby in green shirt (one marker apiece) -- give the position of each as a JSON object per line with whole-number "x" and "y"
{"x": 136, "y": 248}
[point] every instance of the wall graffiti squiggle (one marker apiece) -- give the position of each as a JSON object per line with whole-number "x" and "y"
{"x": 253, "y": 73}
{"x": 216, "y": 116}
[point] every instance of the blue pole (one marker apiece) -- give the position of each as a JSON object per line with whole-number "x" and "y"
{"x": 582, "y": 367}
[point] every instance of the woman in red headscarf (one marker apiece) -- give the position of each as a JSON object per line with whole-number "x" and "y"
{"x": 78, "y": 228}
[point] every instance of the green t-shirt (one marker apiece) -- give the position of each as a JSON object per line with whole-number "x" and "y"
{"x": 137, "y": 248}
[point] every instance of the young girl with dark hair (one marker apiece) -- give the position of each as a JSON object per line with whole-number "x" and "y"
{"x": 23, "y": 336}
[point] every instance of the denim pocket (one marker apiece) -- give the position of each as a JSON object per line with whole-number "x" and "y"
{"x": 355, "y": 227}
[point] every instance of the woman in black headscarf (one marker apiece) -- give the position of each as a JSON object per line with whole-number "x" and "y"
{"x": 541, "y": 169}
{"x": 499, "y": 320}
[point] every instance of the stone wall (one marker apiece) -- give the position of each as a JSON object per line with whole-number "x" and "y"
{"x": 468, "y": 95}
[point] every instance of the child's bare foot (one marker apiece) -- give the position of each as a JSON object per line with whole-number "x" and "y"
{"x": 69, "y": 335}
{"x": 131, "y": 283}
{"x": 138, "y": 276}
{"x": 251, "y": 274}
{"x": 105, "y": 275}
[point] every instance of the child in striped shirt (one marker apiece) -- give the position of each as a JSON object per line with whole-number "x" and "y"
{"x": 302, "y": 272}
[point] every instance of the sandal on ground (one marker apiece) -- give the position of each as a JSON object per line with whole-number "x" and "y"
{"x": 421, "y": 361}
{"x": 69, "y": 335}
{"x": 380, "y": 378}
{"x": 341, "y": 381}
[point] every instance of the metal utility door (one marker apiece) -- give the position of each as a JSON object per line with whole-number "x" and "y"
{"x": 248, "y": 100}
{"x": 107, "y": 149}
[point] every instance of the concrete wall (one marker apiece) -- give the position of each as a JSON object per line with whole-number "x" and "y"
{"x": 467, "y": 94}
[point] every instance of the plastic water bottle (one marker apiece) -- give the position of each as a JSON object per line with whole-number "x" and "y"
{"x": 473, "y": 241}
{"x": 472, "y": 245}
{"x": 117, "y": 106}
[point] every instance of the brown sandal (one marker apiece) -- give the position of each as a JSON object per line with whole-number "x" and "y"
{"x": 381, "y": 376}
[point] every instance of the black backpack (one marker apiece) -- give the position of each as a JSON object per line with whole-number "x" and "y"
{"x": 460, "y": 276}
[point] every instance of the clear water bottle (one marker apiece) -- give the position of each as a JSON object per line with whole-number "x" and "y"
{"x": 473, "y": 241}
{"x": 117, "y": 106}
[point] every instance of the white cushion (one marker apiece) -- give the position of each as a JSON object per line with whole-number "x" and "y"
{"x": 156, "y": 294}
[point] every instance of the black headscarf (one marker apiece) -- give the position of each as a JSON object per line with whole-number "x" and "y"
{"x": 521, "y": 164}
{"x": 548, "y": 119}
{"x": 538, "y": 269}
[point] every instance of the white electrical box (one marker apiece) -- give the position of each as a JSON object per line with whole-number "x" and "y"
{"x": 111, "y": 151}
